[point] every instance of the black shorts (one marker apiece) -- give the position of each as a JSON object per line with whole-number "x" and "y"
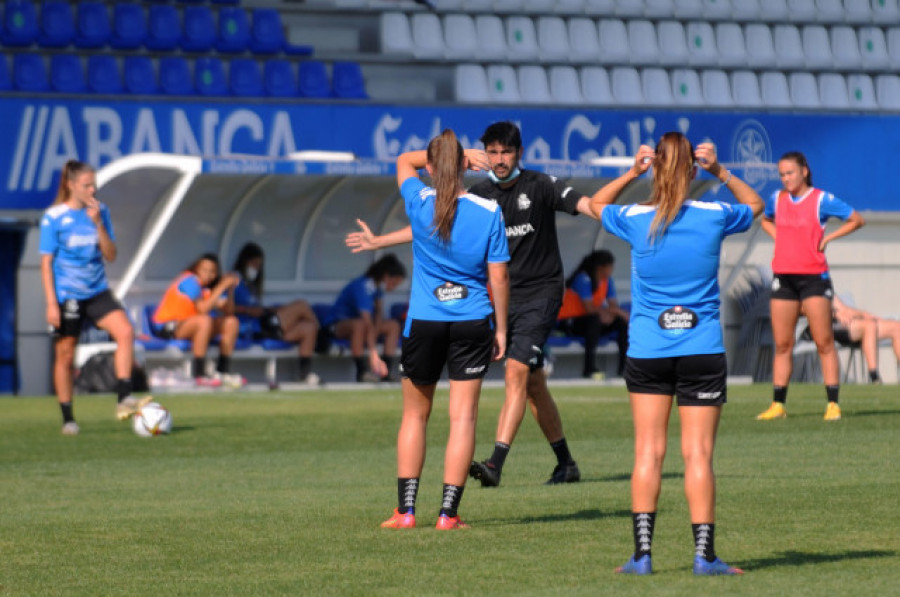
{"x": 74, "y": 312}
{"x": 797, "y": 287}
{"x": 697, "y": 380}
{"x": 465, "y": 346}
{"x": 529, "y": 327}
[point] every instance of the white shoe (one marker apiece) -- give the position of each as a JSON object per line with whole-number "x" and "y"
{"x": 312, "y": 379}
{"x": 70, "y": 428}
{"x": 233, "y": 380}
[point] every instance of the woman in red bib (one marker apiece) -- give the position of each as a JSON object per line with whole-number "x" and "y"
{"x": 795, "y": 217}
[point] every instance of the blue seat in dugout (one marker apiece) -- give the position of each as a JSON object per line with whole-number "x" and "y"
{"x": 279, "y": 78}
{"x": 57, "y": 24}
{"x": 313, "y": 79}
{"x": 163, "y": 28}
{"x": 30, "y": 73}
{"x": 104, "y": 75}
{"x": 209, "y": 77}
{"x": 266, "y": 33}
{"x": 198, "y": 29}
{"x": 20, "y": 26}
{"x": 175, "y": 76}
{"x": 245, "y": 77}
{"x": 5, "y": 78}
{"x": 234, "y": 29}
{"x": 140, "y": 76}
{"x": 348, "y": 81}
{"x": 129, "y": 29}
{"x": 67, "y": 73}
{"x": 92, "y": 25}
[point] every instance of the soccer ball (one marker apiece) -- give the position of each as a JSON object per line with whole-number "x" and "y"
{"x": 152, "y": 419}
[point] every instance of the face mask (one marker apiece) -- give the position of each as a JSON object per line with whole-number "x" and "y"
{"x": 512, "y": 176}
{"x": 251, "y": 273}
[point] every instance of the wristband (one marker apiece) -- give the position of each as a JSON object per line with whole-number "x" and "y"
{"x": 727, "y": 180}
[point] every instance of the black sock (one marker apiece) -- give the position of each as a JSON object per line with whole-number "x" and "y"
{"x": 642, "y": 524}
{"x": 561, "y": 449}
{"x": 198, "y": 368}
{"x": 452, "y": 497}
{"x": 779, "y": 394}
{"x": 389, "y": 361}
{"x": 362, "y": 365}
{"x": 704, "y": 540}
{"x": 832, "y": 393}
{"x": 123, "y": 388}
{"x": 501, "y": 450}
{"x": 873, "y": 375}
{"x": 66, "y": 408}
{"x": 224, "y": 364}
{"x": 305, "y": 364}
{"x": 407, "y": 490}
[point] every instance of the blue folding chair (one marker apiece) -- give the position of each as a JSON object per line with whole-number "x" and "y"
{"x": 93, "y": 27}
{"x": 234, "y": 30}
{"x": 57, "y": 24}
{"x": 129, "y": 26}
{"x": 103, "y": 74}
{"x": 163, "y": 28}
{"x": 30, "y": 73}
{"x": 20, "y": 26}
{"x": 140, "y": 76}
{"x": 67, "y": 73}
{"x": 209, "y": 77}
{"x": 279, "y": 78}
{"x": 198, "y": 29}
{"x": 313, "y": 79}
{"x": 266, "y": 33}
{"x": 348, "y": 81}
{"x": 175, "y": 76}
{"x": 245, "y": 77}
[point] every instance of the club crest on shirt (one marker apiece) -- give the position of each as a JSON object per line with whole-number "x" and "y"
{"x": 450, "y": 291}
{"x": 523, "y": 201}
{"x": 678, "y": 318}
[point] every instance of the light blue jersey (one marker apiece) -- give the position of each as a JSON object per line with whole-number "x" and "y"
{"x": 71, "y": 238}
{"x": 449, "y": 281}
{"x": 675, "y": 277}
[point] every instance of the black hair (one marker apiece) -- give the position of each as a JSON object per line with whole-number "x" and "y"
{"x": 388, "y": 265}
{"x": 206, "y": 257}
{"x": 505, "y": 133}
{"x": 248, "y": 253}
{"x": 589, "y": 265}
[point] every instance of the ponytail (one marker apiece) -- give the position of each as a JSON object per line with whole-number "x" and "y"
{"x": 673, "y": 170}
{"x": 70, "y": 171}
{"x": 447, "y": 159}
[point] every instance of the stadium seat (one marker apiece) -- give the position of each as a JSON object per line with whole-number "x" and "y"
{"x": 673, "y": 48}
{"x": 565, "y": 86}
{"x": 656, "y": 87}
{"x": 804, "y": 90}
{"x": 491, "y": 37}
{"x": 447, "y": 5}
{"x": 503, "y": 84}
{"x": 533, "y": 84}
{"x": 730, "y": 43}
{"x": 775, "y": 90}
{"x": 396, "y": 36}
{"x": 626, "y": 86}
{"x": 583, "y": 39}
{"x": 599, "y": 7}
{"x": 20, "y": 25}
{"x": 129, "y": 30}
{"x": 833, "y": 11}
{"x": 209, "y": 77}
{"x": 873, "y": 48}
{"x": 887, "y": 89}
{"x": 688, "y": 9}
{"x": 861, "y": 92}
{"x": 788, "y": 47}
{"x": 886, "y": 12}
{"x": 163, "y": 28}
{"x": 775, "y": 11}
{"x": 521, "y": 38}
{"x": 198, "y": 29}
{"x": 92, "y": 28}
{"x": 347, "y": 80}
{"x": 595, "y": 87}
{"x": 802, "y": 11}
{"x": 613, "y": 41}
{"x": 279, "y": 78}
{"x": 67, "y": 73}
{"x": 30, "y": 72}
{"x": 701, "y": 41}
{"x": 478, "y": 6}
{"x": 816, "y": 47}
{"x": 234, "y": 30}
{"x": 553, "y": 38}
{"x": 175, "y": 76}
{"x": 629, "y": 9}
{"x": 267, "y": 34}
{"x": 833, "y": 91}
{"x": 845, "y": 48}
{"x": 509, "y": 6}
{"x": 760, "y": 46}
{"x": 642, "y": 42}
{"x": 139, "y": 75}
{"x": 460, "y": 38}
{"x": 745, "y": 10}
{"x": 57, "y": 27}
{"x": 716, "y": 89}
{"x": 150, "y": 333}
{"x": 245, "y": 77}
{"x": 5, "y": 77}
{"x": 313, "y": 79}
{"x": 569, "y": 7}
{"x": 658, "y": 9}
{"x": 470, "y": 84}
{"x": 745, "y": 89}
{"x": 686, "y": 87}
{"x": 427, "y": 35}
{"x": 717, "y": 10}
{"x": 103, "y": 74}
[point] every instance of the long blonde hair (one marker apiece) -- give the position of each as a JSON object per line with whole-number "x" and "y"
{"x": 70, "y": 172}
{"x": 447, "y": 159}
{"x": 673, "y": 170}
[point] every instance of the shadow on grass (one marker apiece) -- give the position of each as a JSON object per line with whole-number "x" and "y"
{"x": 581, "y": 515}
{"x": 800, "y": 558}
{"x": 872, "y": 413}
{"x": 627, "y": 477}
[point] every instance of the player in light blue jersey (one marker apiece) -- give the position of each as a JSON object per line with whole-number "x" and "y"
{"x": 459, "y": 245}
{"x": 76, "y": 238}
{"x": 675, "y": 337}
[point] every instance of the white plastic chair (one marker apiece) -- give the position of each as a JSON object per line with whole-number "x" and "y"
{"x": 893, "y": 47}
{"x": 503, "y": 84}
{"x": 701, "y": 42}
{"x": 600, "y": 7}
{"x": 775, "y": 92}
{"x": 396, "y": 37}
{"x": 888, "y": 91}
{"x": 745, "y": 89}
{"x": 471, "y": 84}
{"x": 833, "y": 91}
{"x": 584, "y": 42}
{"x": 886, "y": 12}
{"x": 730, "y": 44}
{"x": 816, "y": 46}
{"x": 629, "y": 9}
{"x": 533, "y": 85}
{"x": 659, "y": 9}
{"x": 873, "y": 48}
{"x": 428, "y": 36}
{"x": 565, "y": 85}
{"x": 626, "y": 86}
{"x": 760, "y": 46}
{"x": 861, "y": 92}
{"x": 802, "y": 11}
{"x": 672, "y": 43}
{"x": 834, "y": 11}
{"x": 553, "y": 38}
{"x": 774, "y": 10}
{"x": 716, "y": 88}
{"x": 657, "y": 87}
{"x": 845, "y": 47}
{"x": 788, "y": 47}
{"x": 804, "y": 90}
{"x": 686, "y": 87}
{"x": 491, "y": 37}
{"x": 460, "y": 38}
{"x": 688, "y": 9}
{"x": 521, "y": 38}
{"x": 745, "y": 10}
{"x": 595, "y": 87}
{"x": 613, "y": 41}
{"x": 642, "y": 42}
{"x": 717, "y": 10}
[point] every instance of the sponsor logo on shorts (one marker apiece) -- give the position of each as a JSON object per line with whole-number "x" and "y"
{"x": 450, "y": 291}
{"x": 470, "y": 370}
{"x": 678, "y": 318}
{"x": 776, "y": 283}
{"x": 71, "y": 309}
{"x": 708, "y": 395}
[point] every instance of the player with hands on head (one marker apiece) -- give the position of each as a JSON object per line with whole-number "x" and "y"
{"x": 676, "y": 350}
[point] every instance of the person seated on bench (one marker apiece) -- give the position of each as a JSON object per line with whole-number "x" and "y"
{"x": 590, "y": 308}
{"x": 856, "y": 325}
{"x": 357, "y": 315}
{"x": 197, "y": 306}
{"x": 293, "y": 322}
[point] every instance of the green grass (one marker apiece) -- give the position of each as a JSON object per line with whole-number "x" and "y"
{"x": 281, "y": 494}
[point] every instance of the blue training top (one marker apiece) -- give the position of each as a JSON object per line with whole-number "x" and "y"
{"x": 675, "y": 277}
{"x": 71, "y": 238}
{"x": 357, "y": 296}
{"x": 585, "y": 290}
{"x": 449, "y": 281}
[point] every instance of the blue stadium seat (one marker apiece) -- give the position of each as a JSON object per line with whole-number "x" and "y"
{"x": 245, "y": 77}
{"x": 30, "y": 73}
{"x": 148, "y": 335}
{"x": 234, "y": 29}
{"x": 129, "y": 26}
{"x": 198, "y": 29}
{"x": 20, "y": 26}
{"x": 279, "y": 78}
{"x": 348, "y": 81}
{"x": 67, "y": 73}
{"x": 5, "y": 78}
{"x": 226, "y": 1}
{"x": 266, "y": 33}
{"x": 163, "y": 28}
{"x": 93, "y": 27}
{"x": 140, "y": 76}
{"x": 313, "y": 79}
{"x": 209, "y": 77}
{"x": 57, "y": 24}
{"x": 175, "y": 76}
{"x": 104, "y": 75}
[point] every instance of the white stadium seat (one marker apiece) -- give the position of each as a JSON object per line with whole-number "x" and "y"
{"x": 858, "y": 11}
{"x": 521, "y": 37}
{"x": 600, "y": 7}
{"x": 774, "y": 88}
{"x": 804, "y": 90}
{"x": 569, "y": 7}
{"x": 396, "y": 37}
{"x": 478, "y": 6}
{"x": 509, "y": 6}
{"x": 893, "y": 47}
{"x": 773, "y": 10}
{"x": 491, "y": 37}
{"x": 716, "y": 88}
{"x": 533, "y": 85}
{"x": 613, "y": 41}
{"x": 760, "y": 45}
{"x": 886, "y": 11}
{"x": 745, "y": 89}
{"x": 659, "y": 9}
{"x": 701, "y": 42}
{"x": 686, "y": 87}
{"x": 833, "y": 91}
{"x": 565, "y": 85}
{"x": 717, "y": 10}
{"x": 788, "y": 47}
{"x": 537, "y": 6}
{"x": 553, "y": 38}
{"x": 816, "y": 46}
{"x": 584, "y": 42}
{"x": 873, "y": 48}
{"x": 745, "y": 10}
{"x": 689, "y": 9}
{"x": 802, "y": 11}
{"x": 730, "y": 44}
{"x": 629, "y": 9}
{"x": 595, "y": 87}
{"x": 673, "y": 48}
{"x": 626, "y": 86}
{"x": 861, "y": 92}
{"x": 887, "y": 88}
{"x": 460, "y": 38}
{"x": 845, "y": 47}
{"x": 656, "y": 87}
{"x": 503, "y": 84}
{"x": 471, "y": 84}
{"x": 428, "y": 36}
{"x": 642, "y": 42}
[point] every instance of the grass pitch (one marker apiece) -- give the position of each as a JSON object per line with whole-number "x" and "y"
{"x": 282, "y": 493}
